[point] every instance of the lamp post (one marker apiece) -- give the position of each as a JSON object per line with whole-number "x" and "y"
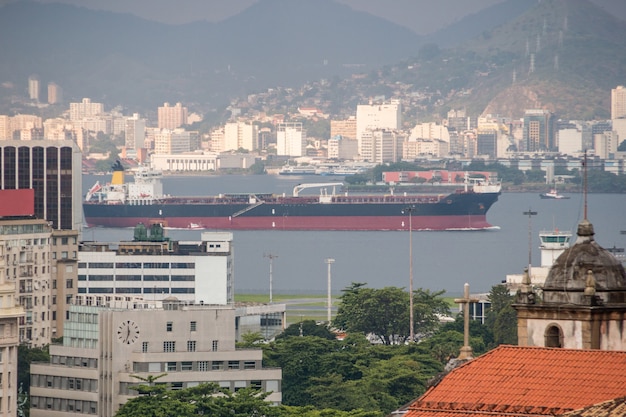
{"x": 329, "y": 302}
{"x": 409, "y": 210}
{"x": 271, "y": 258}
{"x": 530, "y": 213}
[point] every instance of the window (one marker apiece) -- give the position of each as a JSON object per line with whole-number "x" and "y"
{"x": 203, "y": 366}
{"x": 192, "y": 326}
{"x": 69, "y": 283}
{"x": 171, "y": 366}
{"x": 169, "y": 346}
{"x": 169, "y": 326}
{"x": 191, "y": 346}
{"x": 186, "y": 366}
{"x": 144, "y": 347}
{"x": 553, "y": 337}
{"x": 249, "y": 365}
{"x": 214, "y": 346}
{"x": 233, "y": 364}
{"x": 217, "y": 365}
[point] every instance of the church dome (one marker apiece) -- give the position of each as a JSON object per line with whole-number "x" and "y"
{"x": 583, "y": 269}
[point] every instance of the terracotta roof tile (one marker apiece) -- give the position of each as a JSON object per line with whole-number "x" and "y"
{"x": 522, "y": 381}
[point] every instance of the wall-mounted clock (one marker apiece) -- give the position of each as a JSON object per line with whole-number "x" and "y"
{"x": 128, "y": 332}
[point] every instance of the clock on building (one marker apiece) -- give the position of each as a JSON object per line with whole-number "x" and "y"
{"x": 128, "y": 332}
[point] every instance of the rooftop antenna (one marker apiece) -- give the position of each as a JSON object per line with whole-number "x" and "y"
{"x": 530, "y": 213}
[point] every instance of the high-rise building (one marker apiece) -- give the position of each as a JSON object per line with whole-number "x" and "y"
{"x": 618, "y": 102}
{"x": 53, "y": 170}
{"x": 33, "y": 87}
{"x": 377, "y": 116}
{"x": 290, "y": 139}
{"x": 381, "y": 145}
{"x": 241, "y": 136}
{"x": 177, "y": 141}
{"x": 55, "y": 93}
{"x": 487, "y": 143}
{"x": 85, "y": 109}
{"x": 171, "y": 117}
{"x": 135, "y": 132}
{"x": 5, "y": 127}
{"x": 539, "y": 131}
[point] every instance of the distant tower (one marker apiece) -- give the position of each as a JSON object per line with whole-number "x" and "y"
{"x": 55, "y": 94}
{"x": 538, "y": 45}
{"x": 560, "y": 38}
{"x": 532, "y": 64}
{"x": 618, "y": 102}
{"x": 565, "y": 23}
{"x": 514, "y": 76}
{"x": 33, "y": 87}
{"x": 545, "y": 26}
{"x": 527, "y": 47}
{"x": 556, "y": 62}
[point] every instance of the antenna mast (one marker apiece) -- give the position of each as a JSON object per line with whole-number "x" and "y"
{"x": 271, "y": 257}
{"x": 585, "y": 184}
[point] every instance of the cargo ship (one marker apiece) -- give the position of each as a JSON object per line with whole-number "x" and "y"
{"x": 121, "y": 204}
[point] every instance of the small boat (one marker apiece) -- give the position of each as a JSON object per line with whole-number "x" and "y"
{"x": 553, "y": 194}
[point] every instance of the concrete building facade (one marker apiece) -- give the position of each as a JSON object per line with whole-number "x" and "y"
{"x": 110, "y": 339}
{"x": 377, "y": 116}
{"x": 290, "y": 139}
{"x": 241, "y": 135}
{"x": 85, "y": 109}
{"x": 618, "y": 102}
{"x": 169, "y": 117}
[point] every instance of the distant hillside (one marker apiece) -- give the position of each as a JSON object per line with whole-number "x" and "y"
{"x": 579, "y": 55}
{"x": 118, "y": 58}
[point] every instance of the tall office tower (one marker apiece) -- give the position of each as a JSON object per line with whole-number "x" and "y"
{"x": 86, "y": 108}
{"x": 487, "y": 142}
{"x": 618, "y": 102}
{"x": 241, "y": 136}
{"x": 33, "y": 87}
{"x": 55, "y": 93}
{"x": 377, "y": 116}
{"x": 53, "y": 170}
{"x": 458, "y": 120}
{"x": 135, "y": 132}
{"x": 64, "y": 277}
{"x": 344, "y": 128}
{"x": 539, "y": 131}
{"x": 171, "y": 117}
{"x": 290, "y": 139}
{"x": 217, "y": 140}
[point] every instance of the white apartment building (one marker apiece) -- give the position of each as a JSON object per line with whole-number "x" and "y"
{"x": 5, "y": 127}
{"x": 25, "y": 245}
{"x": 570, "y": 141}
{"x": 240, "y": 135}
{"x": 84, "y": 109}
{"x": 172, "y": 142}
{"x": 156, "y": 268}
{"x": 10, "y": 315}
{"x": 412, "y": 149}
{"x": 135, "y": 132}
{"x": 189, "y": 162}
{"x": 171, "y": 117}
{"x": 430, "y": 131}
{"x": 216, "y": 143}
{"x": 381, "y": 145}
{"x": 342, "y": 148}
{"x": 605, "y": 144}
{"x": 618, "y": 102}
{"x": 377, "y": 116}
{"x": 110, "y": 339}
{"x": 33, "y": 87}
{"x": 55, "y": 93}
{"x": 290, "y": 139}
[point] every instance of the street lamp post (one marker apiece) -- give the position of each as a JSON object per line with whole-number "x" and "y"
{"x": 530, "y": 213}
{"x": 329, "y": 302}
{"x": 409, "y": 210}
{"x": 271, "y": 258}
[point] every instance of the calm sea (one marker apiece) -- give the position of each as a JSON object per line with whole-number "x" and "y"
{"x": 441, "y": 260}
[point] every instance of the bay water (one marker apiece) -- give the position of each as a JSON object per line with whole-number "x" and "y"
{"x": 441, "y": 260}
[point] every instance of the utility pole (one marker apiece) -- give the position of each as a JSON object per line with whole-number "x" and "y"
{"x": 329, "y": 302}
{"x": 410, "y": 210}
{"x": 271, "y": 257}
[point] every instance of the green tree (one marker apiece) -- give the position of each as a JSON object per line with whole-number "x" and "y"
{"x": 501, "y": 318}
{"x": 307, "y": 328}
{"x": 384, "y": 313}
{"x": 258, "y": 168}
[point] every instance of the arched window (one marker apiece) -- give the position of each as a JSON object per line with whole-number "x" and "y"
{"x": 553, "y": 336}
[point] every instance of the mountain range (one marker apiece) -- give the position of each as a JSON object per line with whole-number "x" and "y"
{"x": 564, "y": 55}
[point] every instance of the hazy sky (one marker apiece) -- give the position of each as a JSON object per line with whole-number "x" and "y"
{"x": 422, "y": 16}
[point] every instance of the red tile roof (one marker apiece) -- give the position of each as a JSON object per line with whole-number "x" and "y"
{"x": 526, "y": 381}
{"x": 613, "y": 408}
